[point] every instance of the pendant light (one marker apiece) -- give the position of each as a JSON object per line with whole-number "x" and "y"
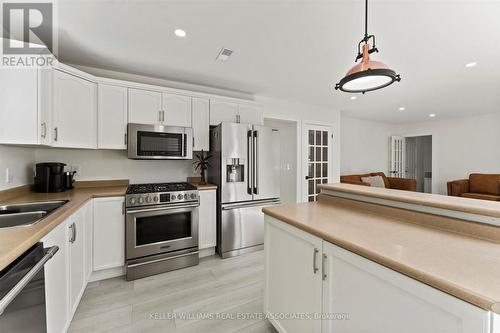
{"x": 368, "y": 75}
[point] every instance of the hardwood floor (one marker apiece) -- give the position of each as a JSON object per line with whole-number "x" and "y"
{"x": 218, "y": 289}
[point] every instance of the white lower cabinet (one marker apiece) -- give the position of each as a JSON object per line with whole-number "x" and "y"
{"x": 207, "y": 228}
{"x": 109, "y": 233}
{"x": 361, "y": 295}
{"x": 68, "y": 272}
{"x": 56, "y": 281}
{"x": 293, "y": 276}
{"x": 77, "y": 278}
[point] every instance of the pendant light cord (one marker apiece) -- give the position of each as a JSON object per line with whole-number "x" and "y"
{"x": 366, "y": 21}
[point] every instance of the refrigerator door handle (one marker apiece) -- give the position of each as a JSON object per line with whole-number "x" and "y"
{"x": 249, "y": 163}
{"x": 255, "y": 162}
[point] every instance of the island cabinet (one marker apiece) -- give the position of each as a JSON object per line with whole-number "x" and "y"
{"x": 307, "y": 276}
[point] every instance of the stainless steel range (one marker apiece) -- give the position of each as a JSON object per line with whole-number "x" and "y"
{"x": 161, "y": 228}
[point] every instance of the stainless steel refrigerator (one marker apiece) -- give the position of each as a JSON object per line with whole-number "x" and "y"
{"x": 246, "y": 167}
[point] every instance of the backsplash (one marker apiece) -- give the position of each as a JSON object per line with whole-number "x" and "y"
{"x": 19, "y": 162}
{"x": 114, "y": 164}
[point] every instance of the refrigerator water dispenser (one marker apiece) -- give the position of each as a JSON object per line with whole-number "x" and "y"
{"x": 235, "y": 170}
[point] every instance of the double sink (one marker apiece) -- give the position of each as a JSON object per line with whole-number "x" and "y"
{"x": 27, "y": 214}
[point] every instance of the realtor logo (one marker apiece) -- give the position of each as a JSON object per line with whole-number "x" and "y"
{"x": 27, "y": 27}
{"x": 28, "y": 32}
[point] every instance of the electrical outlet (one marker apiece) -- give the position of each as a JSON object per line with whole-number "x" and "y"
{"x": 77, "y": 168}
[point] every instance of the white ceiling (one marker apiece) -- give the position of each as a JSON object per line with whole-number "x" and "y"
{"x": 298, "y": 50}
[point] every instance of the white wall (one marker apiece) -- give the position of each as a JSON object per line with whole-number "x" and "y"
{"x": 460, "y": 146}
{"x": 365, "y": 146}
{"x": 19, "y": 161}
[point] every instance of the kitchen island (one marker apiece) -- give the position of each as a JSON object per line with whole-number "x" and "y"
{"x": 375, "y": 260}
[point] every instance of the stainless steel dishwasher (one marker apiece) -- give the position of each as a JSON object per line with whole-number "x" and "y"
{"x": 22, "y": 292}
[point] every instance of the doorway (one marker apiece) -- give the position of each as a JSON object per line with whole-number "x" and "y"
{"x": 288, "y": 157}
{"x": 317, "y": 151}
{"x": 419, "y": 161}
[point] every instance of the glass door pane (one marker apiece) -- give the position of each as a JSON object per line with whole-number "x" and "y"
{"x": 317, "y": 148}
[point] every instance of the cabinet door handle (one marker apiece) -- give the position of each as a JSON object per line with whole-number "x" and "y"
{"x": 44, "y": 130}
{"x": 315, "y": 255}
{"x": 323, "y": 266}
{"x": 159, "y": 116}
{"x": 55, "y": 133}
{"x": 73, "y": 233}
{"x": 125, "y": 139}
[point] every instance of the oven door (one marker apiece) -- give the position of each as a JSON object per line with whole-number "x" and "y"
{"x": 151, "y": 231}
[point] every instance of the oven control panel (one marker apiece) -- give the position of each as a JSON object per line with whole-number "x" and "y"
{"x": 149, "y": 199}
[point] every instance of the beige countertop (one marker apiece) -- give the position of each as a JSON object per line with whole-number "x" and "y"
{"x": 466, "y": 205}
{"x": 461, "y": 258}
{"x": 204, "y": 187}
{"x": 15, "y": 241}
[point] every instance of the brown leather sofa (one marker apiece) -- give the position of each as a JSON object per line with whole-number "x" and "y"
{"x": 478, "y": 186}
{"x": 404, "y": 184}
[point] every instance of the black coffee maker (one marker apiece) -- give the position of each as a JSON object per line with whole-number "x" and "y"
{"x": 49, "y": 177}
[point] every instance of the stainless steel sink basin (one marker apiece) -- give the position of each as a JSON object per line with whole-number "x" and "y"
{"x": 47, "y": 206}
{"x": 27, "y": 214}
{"x": 21, "y": 219}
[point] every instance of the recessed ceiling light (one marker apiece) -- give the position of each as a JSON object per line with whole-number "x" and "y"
{"x": 470, "y": 64}
{"x": 432, "y": 115}
{"x": 180, "y": 33}
{"x": 353, "y": 98}
{"x": 402, "y": 108}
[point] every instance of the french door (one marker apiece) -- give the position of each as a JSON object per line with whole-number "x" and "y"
{"x": 317, "y": 143}
{"x": 398, "y": 152}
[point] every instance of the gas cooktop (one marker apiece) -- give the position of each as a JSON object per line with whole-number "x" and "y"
{"x": 161, "y": 194}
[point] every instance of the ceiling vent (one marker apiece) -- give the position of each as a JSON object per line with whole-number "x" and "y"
{"x": 224, "y": 54}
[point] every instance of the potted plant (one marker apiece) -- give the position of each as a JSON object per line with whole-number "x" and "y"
{"x": 201, "y": 163}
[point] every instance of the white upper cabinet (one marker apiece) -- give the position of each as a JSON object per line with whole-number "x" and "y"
{"x": 222, "y": 111}
{"x": 250, "y": 114}
{"x": 144, "y": 106}
{"x": 112, "y": 116}
{"x": 200, "y": 121}
{"x": 24, "y": 104}
{"x": 234, "y": 112}
{"x": 177, "y": 110}
{"x": 74, "y": 118}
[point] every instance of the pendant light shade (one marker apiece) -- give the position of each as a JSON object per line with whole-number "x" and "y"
{"x": 368, "y": 75}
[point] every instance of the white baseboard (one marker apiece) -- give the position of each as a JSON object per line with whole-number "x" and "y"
{"x": 210, "y": 251}
{"x": 107, "y": 273}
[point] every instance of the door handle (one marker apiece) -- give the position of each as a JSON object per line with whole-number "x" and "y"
{"x": 249, "y": 165}
{"x": 73, "y": 233}
{"x": 55, "y": 133}
{"x": 315, "y": 253}
{"x": 308, "y": 177}
{"x": 255, "y": 162}
{"x": 11, "y": 295}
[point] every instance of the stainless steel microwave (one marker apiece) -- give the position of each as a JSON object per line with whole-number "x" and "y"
{"x": 154, "y": 142}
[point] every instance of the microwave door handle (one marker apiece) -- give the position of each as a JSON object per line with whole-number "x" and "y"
{"x": 249, "y": 163}
{"x": 183, "y": 148}
{"x": 256, "y": 162}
